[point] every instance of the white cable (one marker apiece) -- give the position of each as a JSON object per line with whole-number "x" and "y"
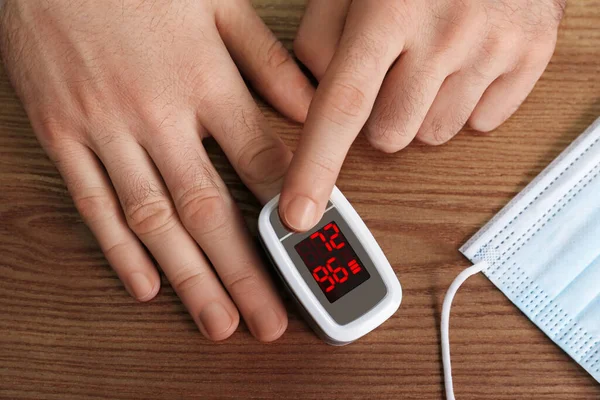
{"x": 445, "y": 325}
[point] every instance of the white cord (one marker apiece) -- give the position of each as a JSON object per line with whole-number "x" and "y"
{"x": 445, "y": 325}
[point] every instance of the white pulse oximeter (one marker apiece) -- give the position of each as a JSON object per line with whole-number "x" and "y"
{"x": 336, "y": 272}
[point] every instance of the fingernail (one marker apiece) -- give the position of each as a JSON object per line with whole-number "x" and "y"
{"x": 140, "y": 286}
{"x": 215, "y": 321}
{"x": 300, "y": 213}
{"x": 266, "y": 325}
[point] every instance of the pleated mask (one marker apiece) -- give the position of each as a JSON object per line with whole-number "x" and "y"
{"x": 543, "y": 252}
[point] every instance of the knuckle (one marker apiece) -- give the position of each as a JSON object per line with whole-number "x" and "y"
{"x": 324, "y": 164}
{"x": 96, "y": 205}
{"x": 53, "y": 131}
{"x": 540, "y": 54}
{"x": 202, "y": 85}
{"x": 368, "y": 48}
{"x": 480, "y": 123}
{"x": 443, "y": 128}
{"x": 263, "y": 160}
{"x": 187, "y": 280}
{"x": 203, "y": 210}
{"x": 498, "y": 50}
{"x": 385, "y": 139}
{"x": 276, "y": 55}
{"x": 115, "y": 249}
{"x": 243, "y": 121}
{"x": 456, "y": 24}
{"x": 503, "y": 43}
{"x": 243, "y": 283}
{"x": 437, "y": 133}
{"x": 160, "y": 121}
{"x": 435, "y": 70}
{"x": 151, "y": 218}
{"x": 104, "y": 138}
{"x": 388, "y": 129}
{"x": 483, "y": 73}
{"x": 346, "y": 100}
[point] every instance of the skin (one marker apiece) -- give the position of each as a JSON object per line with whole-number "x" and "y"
{"x": 400, "y": 70}
{"x": 121, "y": 95}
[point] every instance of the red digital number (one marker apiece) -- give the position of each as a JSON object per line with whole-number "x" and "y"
{"x": 324, "y": 277}
{"x": 336, "y": 231}
{"x": 333, "y": 274}
{"x": 322, "y": 237}
{"x": 330, "y": 244}
{"x": 336, "y": 271}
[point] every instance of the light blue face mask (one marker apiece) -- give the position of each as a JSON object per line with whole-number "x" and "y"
{"x": 543, "y": 252}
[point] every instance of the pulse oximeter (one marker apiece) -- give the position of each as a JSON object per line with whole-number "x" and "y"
{"x": 336, "y": 272}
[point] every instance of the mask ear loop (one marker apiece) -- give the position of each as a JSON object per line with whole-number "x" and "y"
{"x": 445, "y": 325}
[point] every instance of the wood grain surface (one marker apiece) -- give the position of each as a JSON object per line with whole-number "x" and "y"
{"x": 68, "y": 329}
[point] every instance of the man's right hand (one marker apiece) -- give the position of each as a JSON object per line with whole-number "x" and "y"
{"x": 400, "y": 70}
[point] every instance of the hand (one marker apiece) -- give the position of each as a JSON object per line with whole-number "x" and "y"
{"x": 406, "y": 69}
{"x": 120, "y": 95}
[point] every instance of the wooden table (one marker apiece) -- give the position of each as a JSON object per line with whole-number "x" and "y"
{"x": 68, "y": 329}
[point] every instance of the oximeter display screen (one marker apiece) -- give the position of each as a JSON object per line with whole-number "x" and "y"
{"x": 332, "y": 262}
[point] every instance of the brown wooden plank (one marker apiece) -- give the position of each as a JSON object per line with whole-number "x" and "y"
{"x": 68, "y": 330}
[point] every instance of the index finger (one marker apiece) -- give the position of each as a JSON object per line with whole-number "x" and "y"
{"x": 340, "y": 108}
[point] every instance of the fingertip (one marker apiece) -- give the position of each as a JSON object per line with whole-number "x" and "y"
{"x": 142, "y": 287}
{"x": 386, "y": 146}
{"x": 151, "y": 295}
{"x": 433, "y": 137}
{"x": 483, "y": 125}
{"x": 300, "y": 213}
{"x": 217, "y": 323}
{"x": 429, "y": 141}
{"x": 503, "y": 98}
{"x": 267, "y": 324}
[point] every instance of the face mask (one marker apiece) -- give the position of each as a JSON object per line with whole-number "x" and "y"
{"x": 543, "y": 252}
